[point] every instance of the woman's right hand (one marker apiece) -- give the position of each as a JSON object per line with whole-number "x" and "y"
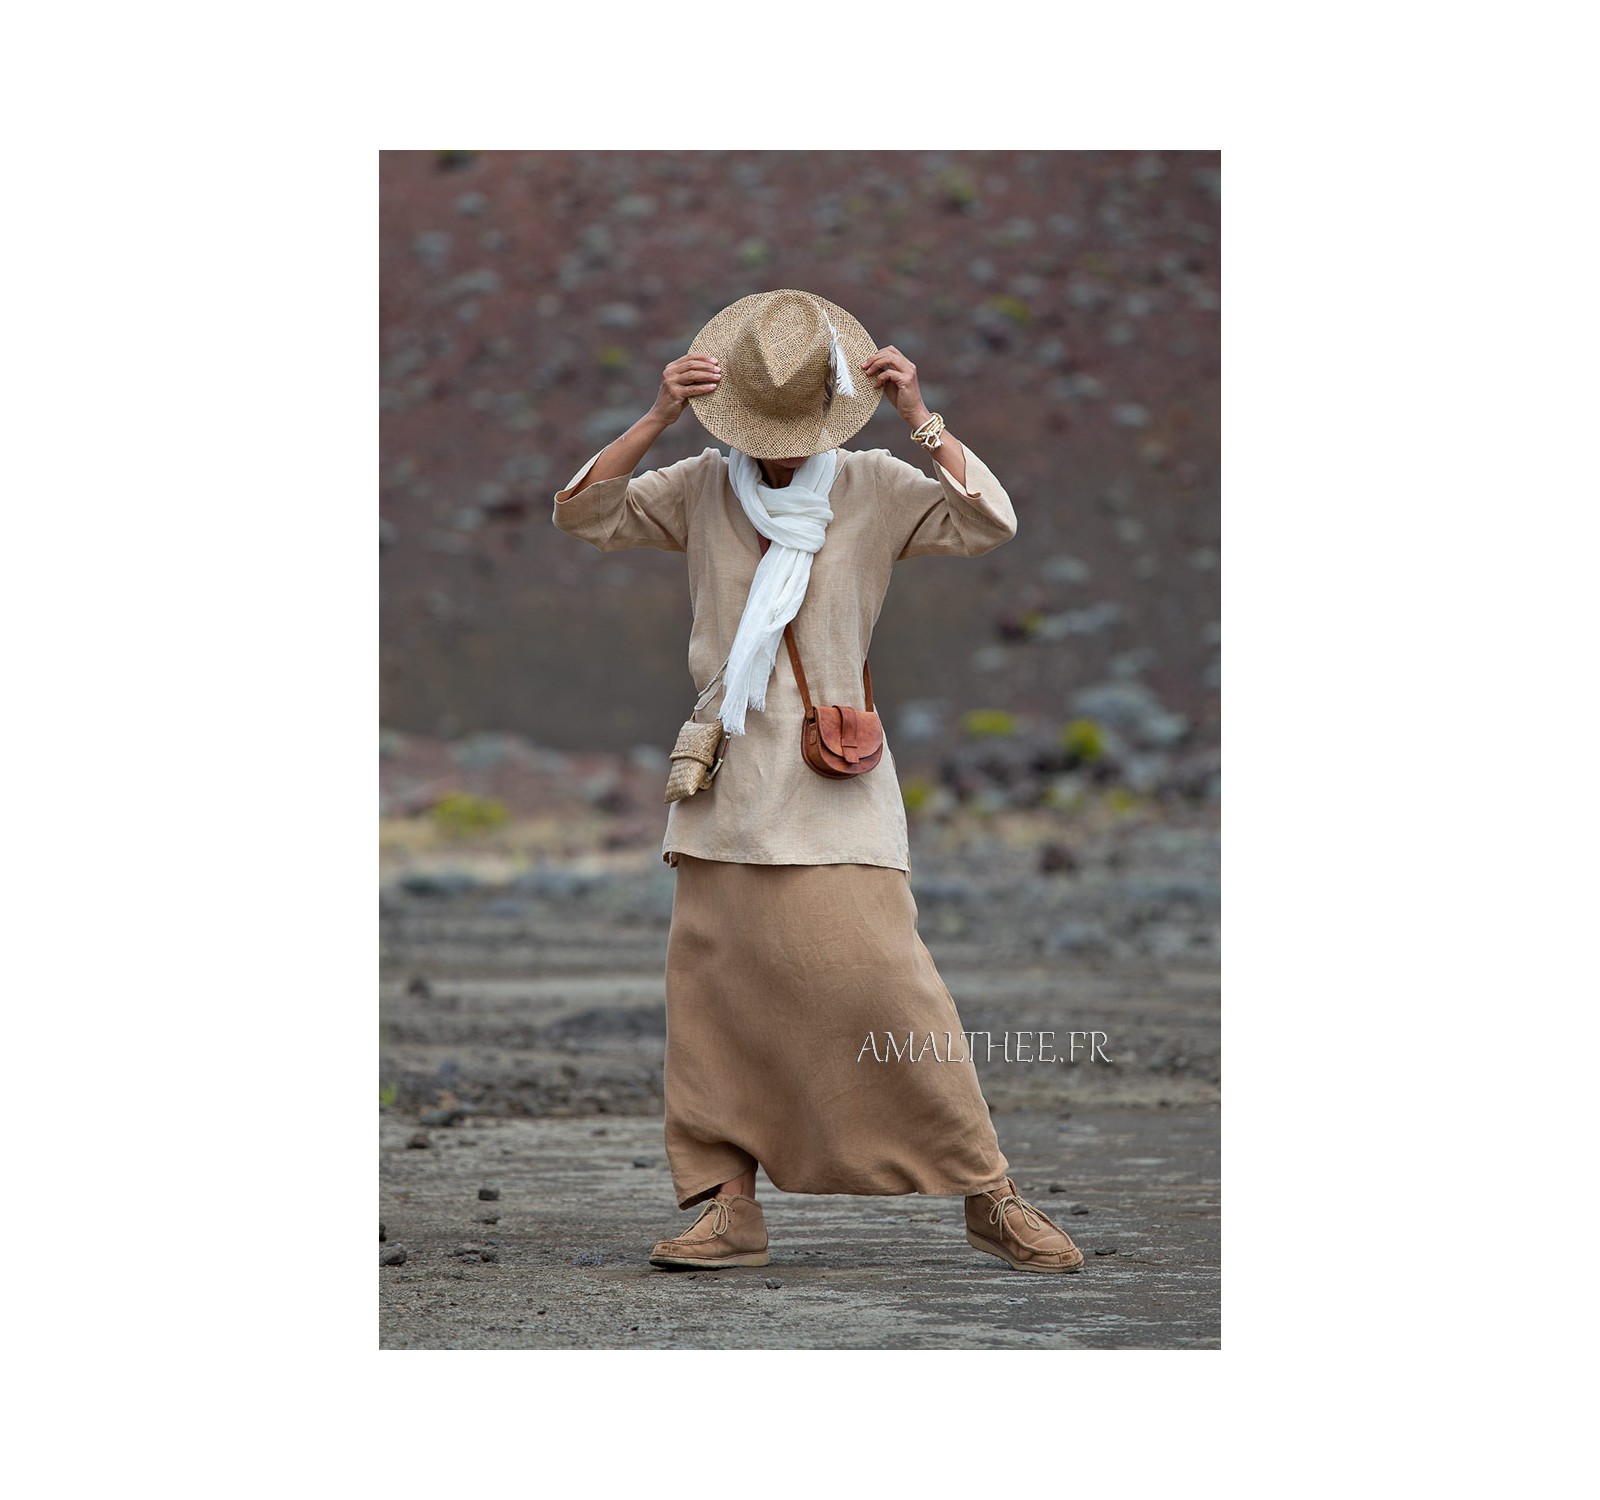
{"x": 693, "y": 375}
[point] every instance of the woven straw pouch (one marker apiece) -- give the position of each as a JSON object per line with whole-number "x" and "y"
{"x": 695, "y": 759}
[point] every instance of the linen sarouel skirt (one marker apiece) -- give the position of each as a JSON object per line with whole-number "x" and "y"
{"x": 784, "y": 985}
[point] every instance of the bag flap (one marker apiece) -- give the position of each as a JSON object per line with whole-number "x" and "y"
{"x": 850, "y": 733}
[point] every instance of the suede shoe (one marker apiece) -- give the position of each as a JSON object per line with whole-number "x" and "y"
{"x": 729, "y": 1232}
{"x": 1025, "y": 1237}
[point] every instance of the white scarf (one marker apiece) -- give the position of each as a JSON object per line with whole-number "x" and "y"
{"x": 796, "y": 519}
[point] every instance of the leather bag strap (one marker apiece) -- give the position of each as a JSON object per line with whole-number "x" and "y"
{"x": 794, "y": 656}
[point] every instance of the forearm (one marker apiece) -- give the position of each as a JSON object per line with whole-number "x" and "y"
{"x": 624, "y": 455}
{"x": 950, "y": 453}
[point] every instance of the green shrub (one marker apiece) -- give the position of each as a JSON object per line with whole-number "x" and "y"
{"x": 989, "y": 721}
{"x": 1083, "y": 740}
{"x": 1012, "y": 307}
{"x": 915, "y": 791}
{"x": 460, "y": 814}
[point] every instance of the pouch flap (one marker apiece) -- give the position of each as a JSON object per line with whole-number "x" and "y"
{"x": 849, "y": 733}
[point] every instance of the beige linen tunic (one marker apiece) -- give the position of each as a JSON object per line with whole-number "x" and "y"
{"x": 766, "y": 805}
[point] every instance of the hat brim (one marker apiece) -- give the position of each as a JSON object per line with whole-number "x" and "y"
{"x": 731, "y": 421}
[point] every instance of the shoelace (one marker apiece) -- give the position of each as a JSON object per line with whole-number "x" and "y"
{"x": 717, "y": 1207}
{"x": 1030, "y": 1215}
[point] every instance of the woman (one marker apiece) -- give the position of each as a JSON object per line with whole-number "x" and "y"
{"x": 794, "y": 953}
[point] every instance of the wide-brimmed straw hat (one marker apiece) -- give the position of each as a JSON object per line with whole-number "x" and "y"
{"x": 792, "y": 383}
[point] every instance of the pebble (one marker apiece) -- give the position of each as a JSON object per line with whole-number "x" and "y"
{"x": 1078, "y": 1208}
{"x": 441, "y": 1117}
{"x": 489, "y": 1194}
{"x": 489, "y": 1219}
{"x": 1107, "y": 1250}
{"x": 774, "y": 1283}
{"x": 383, "y": 1231}
{"x": 419, "y": 1141}
{"x": 643, "y": 1161}
{"x": 1058, "y": 1187}
{"x": 395, "y": 1256}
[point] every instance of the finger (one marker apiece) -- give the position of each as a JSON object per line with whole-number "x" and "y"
{"x": 886, "y": 362}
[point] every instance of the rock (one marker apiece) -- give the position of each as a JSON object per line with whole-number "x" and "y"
{"x": 419, "y": 987}
{"x": 1079, "y": 938}
{"x": 432, "y": 248}
{"x": 489, "y": 1218}
{"x": 383, "y": 1231}
{"x": 1090, "y": 621}
{"x": 588, "y": 1258}
{"x": 489, "y": 1256}
{"x": 395, "y": 1255}
{"x": 774, "y": 1283}
{"x": 643, "y": 1161}
{"x": 1063, "y": 569}
{"x": 438, "y": 883}
{"x": 489, "y": 1194}
{"x": 1132, "y": 709}
{"x": 1106, "y": 1250}
{"x": 1078, "y": 1208}
{"x": 1058, "y": 1187}
{"x": 419, "y": 1141}
{"x": 443, "y": 1117}
{"x": 1055, "y": 859}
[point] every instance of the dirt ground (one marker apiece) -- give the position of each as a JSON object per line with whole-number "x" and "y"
{"x": 522, "y": 1036}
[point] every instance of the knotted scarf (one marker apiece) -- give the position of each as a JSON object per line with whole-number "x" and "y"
{"x": 796, "y": 519}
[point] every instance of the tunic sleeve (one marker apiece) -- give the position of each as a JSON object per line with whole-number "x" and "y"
{"x": 640, "y": 510}
{"x": 930, "y": 517}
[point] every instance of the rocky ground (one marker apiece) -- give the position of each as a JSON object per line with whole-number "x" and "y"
{"x": 522, "y": 1037}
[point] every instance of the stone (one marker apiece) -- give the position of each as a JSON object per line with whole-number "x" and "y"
{"x": 395, "y": 1255}
{"x": 489, "y": 1194}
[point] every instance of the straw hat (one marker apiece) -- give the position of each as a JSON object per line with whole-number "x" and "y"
{"x": 789, "y": 363}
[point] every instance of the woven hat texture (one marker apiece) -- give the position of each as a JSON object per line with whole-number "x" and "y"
{"x": 777, "y": 397}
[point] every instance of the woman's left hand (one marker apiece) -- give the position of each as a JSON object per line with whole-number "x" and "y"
{"x": 897, "y": 377}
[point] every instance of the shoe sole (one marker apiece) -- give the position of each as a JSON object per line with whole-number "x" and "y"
{"x": 990, "y": 1248}
{"x": 688, "y": 1263}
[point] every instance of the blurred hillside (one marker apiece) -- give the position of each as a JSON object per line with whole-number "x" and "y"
{"x": 1062, "y": 308}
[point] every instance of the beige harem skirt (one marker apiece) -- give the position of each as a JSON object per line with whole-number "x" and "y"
{"x": 784, "y": 985}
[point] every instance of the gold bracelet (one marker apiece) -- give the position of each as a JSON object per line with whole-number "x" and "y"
{"x": 928, "y": 433}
